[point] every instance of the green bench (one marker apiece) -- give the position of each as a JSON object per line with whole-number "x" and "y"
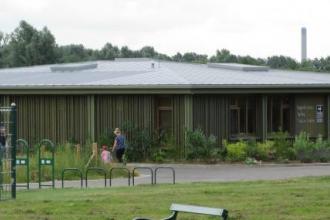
{"x": 176, "y": 208}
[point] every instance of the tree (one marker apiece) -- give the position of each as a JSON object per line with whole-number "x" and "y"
{"x": 28, "y": 46}
{"x": 161, "y": 56}
{"x": 308, "y": 65}
{"x": 194, "y": 58}
{"x": 177, "y": 57}
{"x": 322, "y": 64}
{"x": 109, "y": 52}
{"x": 148, "y": 51}
{"x": 4, "y": 50}
{"x": 282, "y": 62}
{"x": 125, "y": 52}
{"x": 250, "y": 60}
{"x": 19, "y": 41}
{"x": 72, "y": 53}
{"x": 3, "y": 41}
{"x": 41, "y": 49}
{"x": 223, "y": 56}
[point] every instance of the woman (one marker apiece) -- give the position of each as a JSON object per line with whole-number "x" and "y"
{"x": 119, "y": 145}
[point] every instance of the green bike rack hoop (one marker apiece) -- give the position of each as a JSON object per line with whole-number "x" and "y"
{"x": 24, "y": 161}
{"x": 46, "y": 161}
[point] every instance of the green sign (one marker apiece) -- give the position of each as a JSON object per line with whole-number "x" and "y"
{"x": 21, "y": 162}
{"x": 46, "y": 161}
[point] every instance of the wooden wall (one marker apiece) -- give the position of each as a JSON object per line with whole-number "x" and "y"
{"x": 115, "y": 110}
{"x": 80, "y": 117}
{"x": 59, "y": 118}
{"x": 210, "y": 113}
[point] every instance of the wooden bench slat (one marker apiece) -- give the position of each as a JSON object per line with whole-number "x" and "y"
{"x": 196, "y": 209}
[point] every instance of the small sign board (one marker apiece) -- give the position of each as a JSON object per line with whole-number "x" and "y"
{"x": 4, "y": 109}
{"x": 46, "y": 161}
{"x": 319, "y": 114}
{"x": 21, "y": 162}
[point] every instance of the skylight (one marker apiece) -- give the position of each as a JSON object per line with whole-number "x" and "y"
{"x": 237, "y": 66}
{"x": 73, "y": 67}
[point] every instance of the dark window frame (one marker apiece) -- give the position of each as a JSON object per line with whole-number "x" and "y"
{"x": 246, "y": 104}
{"x": 285, "y": 103}
{"x": 160, "y": 108}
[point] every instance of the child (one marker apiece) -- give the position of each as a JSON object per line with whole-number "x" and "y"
{"x": 105, "y": 155}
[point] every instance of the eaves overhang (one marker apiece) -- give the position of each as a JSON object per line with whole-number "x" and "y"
{"x": 168, "y": 89}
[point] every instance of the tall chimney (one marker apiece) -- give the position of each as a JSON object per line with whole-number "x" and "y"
{"x": 303, "y": 44}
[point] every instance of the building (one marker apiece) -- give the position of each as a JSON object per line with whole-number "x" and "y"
{"x": 231, "y": 101}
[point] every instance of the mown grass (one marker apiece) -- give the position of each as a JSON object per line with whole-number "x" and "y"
{"x": 303, "y": 198}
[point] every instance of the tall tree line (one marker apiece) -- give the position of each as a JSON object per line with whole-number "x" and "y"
{"x": 27, "y": 46}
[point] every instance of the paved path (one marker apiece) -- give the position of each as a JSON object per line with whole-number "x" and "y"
{"x": 215, "y": 173}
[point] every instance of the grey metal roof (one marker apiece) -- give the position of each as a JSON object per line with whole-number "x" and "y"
{"x": 135, "y": 73}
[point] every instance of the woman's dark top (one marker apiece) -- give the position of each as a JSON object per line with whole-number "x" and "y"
{"x": 120, "y": 139}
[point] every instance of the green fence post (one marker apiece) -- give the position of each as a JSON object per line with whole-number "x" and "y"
{"x": 13, "y": 133}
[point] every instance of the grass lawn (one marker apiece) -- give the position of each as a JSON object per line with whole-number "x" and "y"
{"x": 303, "y": 198}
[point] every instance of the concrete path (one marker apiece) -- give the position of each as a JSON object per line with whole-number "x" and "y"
{"x": 206, "y": 173}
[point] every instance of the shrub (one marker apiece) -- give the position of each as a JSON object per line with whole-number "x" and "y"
{"x": 265, "y": 150}
{"x": 251, "y": 148}
{"x": 139, "y": 142}
{"x": 308, "y": 151}
{"x": 236, "y": 151}
{"x": 159, "y": 156}
{"x": 166, "y": 149}
{"x": 321, "y": 150}
{"x": 303, "y": 147}
{"x": 106, "y": 138}
{"x": 199, "y": 146}
{"x": 259, "y": 150}
{"x": 282, "y": 147}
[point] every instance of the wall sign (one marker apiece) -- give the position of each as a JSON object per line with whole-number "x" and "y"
{"x": 305, "y": 114}
{"x": 319, "y": 114}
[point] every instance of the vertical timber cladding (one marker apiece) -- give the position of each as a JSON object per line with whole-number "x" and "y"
{"x": 180, "y": 120}
{"x": 113, "y": 111}
{"x": 210, "y": 115}
{"x": 58, "y": 118}
{"x": 310, "y": 114}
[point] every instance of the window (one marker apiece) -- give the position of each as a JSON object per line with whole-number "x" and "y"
{"x": 279, "y": 113}
{"x": 164, "y": 115}
{"x": 242, "y": 117}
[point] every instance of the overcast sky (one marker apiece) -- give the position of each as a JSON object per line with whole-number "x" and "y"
{"x": 256, "y": 27}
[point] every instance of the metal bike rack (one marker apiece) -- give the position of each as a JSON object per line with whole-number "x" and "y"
{"x": 24, "y": 161}
{"x": 76, "y": 170}
{"x": 143, "y": 168}
{"x": 120, "y": 168}
{"x": 99, "y": 170}
{"x": 46, "y": 161}
{"x": 163, "y": 168}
